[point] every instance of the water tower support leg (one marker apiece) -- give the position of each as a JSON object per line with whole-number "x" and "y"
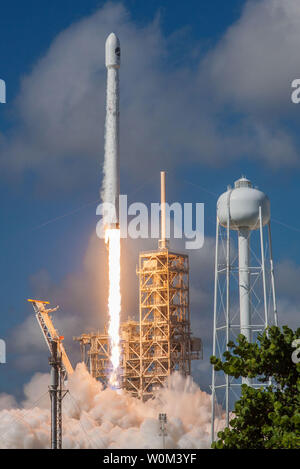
{"x": 263, "y": 268}
{"x": 272, "y": 277}
{"x": 227, "y": 306}
{"x": 213, "y": 391}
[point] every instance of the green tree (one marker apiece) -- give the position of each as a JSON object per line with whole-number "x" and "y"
{"x": 267, "y": 417}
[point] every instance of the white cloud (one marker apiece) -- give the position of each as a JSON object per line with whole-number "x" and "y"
{"x": 169, "y": 112}
{"x": 255, "y": 62}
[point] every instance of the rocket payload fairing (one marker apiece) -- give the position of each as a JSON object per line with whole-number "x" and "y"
{"x": 111, "y": 188}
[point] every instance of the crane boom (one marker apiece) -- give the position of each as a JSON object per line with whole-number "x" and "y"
{"x": 49, "y": 332}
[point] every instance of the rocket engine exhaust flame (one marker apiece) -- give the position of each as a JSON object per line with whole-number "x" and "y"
{"x": 112, "y": 239}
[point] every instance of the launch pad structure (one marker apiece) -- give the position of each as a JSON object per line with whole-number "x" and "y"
{"x": 160, "y": 342}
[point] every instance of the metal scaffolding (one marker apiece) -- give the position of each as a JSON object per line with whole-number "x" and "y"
{"x": 95, "y": 353}
{"x": 165, "y": 337}
{"x": 160, "y": 342}
{"x": 130, "y": 340}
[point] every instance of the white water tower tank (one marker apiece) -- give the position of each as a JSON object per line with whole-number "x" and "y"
{"x": 244, "y": 202}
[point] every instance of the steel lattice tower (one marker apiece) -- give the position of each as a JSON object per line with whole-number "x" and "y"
{"x": 165, "y": 338}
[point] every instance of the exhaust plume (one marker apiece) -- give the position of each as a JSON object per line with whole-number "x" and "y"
{"x": 94, "y": 417}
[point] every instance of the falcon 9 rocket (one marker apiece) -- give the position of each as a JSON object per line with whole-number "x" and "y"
{"x": 111, "y": 187}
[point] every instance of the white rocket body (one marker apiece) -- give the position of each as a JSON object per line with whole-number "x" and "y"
{"x": 111, "y": 188}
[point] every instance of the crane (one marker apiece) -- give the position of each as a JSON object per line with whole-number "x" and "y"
{"x": 60, "y": 367}
{"x": 49, "y": 332}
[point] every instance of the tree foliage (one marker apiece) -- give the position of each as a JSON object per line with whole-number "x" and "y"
{"x": 268, "y": 416}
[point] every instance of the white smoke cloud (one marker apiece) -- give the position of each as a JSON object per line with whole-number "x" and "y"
{"x": 7, "y": 401}
{"x": 102, "y": 418}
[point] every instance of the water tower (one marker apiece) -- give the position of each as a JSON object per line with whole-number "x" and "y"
{"x": 244, "y": 295}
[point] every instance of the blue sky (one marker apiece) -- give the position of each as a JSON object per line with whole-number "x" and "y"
{"x": 205, "y": 95}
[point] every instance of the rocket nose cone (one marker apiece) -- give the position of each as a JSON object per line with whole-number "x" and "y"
{"x": 112, "y": 51}
{"x": 112, "y": 38}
